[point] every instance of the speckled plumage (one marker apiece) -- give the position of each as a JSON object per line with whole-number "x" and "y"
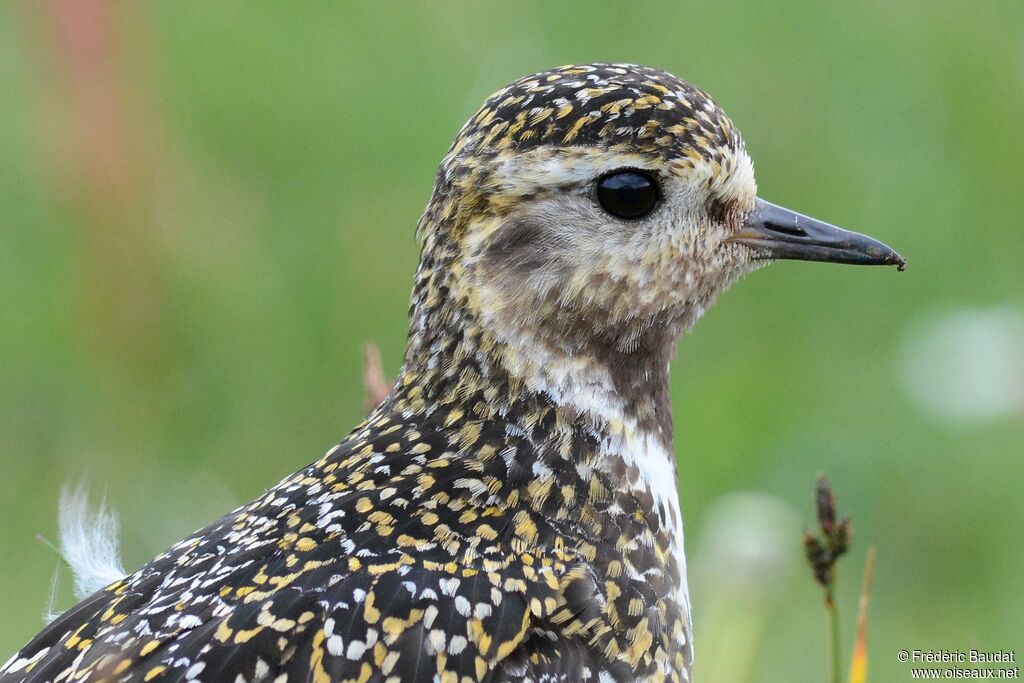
{"x": 509, "y": 512}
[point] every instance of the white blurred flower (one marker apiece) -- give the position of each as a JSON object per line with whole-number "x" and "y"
{"x": 967, "y": 364}
{"x": 747, "y": 538}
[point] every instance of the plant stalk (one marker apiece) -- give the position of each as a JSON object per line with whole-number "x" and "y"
{"x": 834, "y": 645}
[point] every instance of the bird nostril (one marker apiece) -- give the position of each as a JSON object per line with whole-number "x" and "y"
{"x": 791, "y": 230}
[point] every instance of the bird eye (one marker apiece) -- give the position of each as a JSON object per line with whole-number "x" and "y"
{"x": 627, "y": 194}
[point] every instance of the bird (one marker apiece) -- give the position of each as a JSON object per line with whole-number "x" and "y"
{"x": 510, "y": 510}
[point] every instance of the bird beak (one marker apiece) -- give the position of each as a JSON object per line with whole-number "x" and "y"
{"x": 774, "y": 232}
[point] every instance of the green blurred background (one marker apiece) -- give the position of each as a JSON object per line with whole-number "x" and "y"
{"x": 207, "y": 208}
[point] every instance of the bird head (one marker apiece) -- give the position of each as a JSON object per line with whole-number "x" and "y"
{"x": 604, "y": 207}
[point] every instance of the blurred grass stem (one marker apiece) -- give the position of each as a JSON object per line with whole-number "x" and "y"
{"x": 835, "y": 646}
{"x": 859, "y": 661}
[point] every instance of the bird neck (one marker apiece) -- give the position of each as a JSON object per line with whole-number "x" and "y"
{"x": 506, "y": 368}
{"x": 456, "y": 354}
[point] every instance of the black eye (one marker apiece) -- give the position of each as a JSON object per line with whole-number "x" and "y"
{"x": 627, "y": 194}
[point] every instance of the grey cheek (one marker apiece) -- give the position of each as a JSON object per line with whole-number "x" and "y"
{"x": 520, "y": 249}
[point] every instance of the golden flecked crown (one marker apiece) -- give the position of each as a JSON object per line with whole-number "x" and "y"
{"x": 601, "y": 105}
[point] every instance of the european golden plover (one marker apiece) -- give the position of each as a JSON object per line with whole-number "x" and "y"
{"x": 509, "y": 512}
